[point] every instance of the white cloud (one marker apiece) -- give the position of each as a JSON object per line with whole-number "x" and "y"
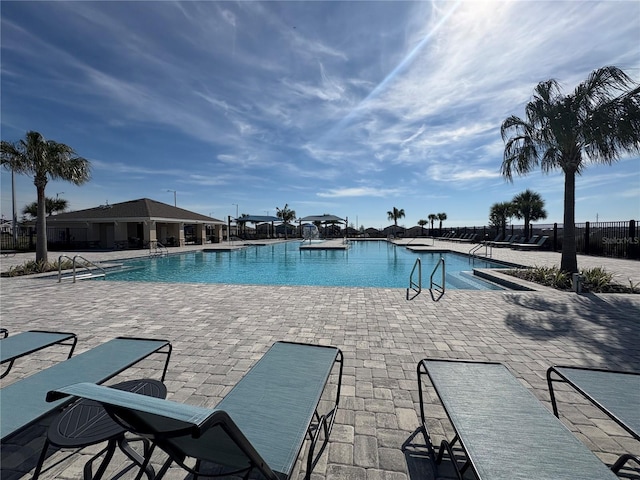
{"x": 360, "y": 192}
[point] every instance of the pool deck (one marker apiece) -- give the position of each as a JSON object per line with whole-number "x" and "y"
{"x": 219, "y": 331}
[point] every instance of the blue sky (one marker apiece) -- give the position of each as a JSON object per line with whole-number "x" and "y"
{"x": 348, "y": 108}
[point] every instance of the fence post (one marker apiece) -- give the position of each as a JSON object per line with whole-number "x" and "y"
{"x": 634, "y": 247}
{"x": 586, "y": 238}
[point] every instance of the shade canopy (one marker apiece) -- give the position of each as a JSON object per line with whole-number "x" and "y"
{"x": 323, "y": 219}
{"x": 258, "y": 219}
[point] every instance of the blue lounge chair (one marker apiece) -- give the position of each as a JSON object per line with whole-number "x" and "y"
{"x": 260, "y": 425}
{"x": 616, "y": 393}
{"x": 25, "y": 343}
{"x": 504, "y": 430}
{"x": 24, "y": 402}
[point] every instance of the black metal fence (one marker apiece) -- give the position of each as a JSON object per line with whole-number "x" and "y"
{"x": 604, "y": 239}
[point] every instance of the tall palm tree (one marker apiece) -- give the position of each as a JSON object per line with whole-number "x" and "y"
{"x": 52, "y": 205}
{"x": 287, "y": 215}
{"x": 529, "y": 206}
{"x": 597, "y": 122}
{"x": 422, "y": 223}
{"x": 44, "y": 159}
{"x": 432, "y": 218}
{"x": 499, "y": 214}
{"x": 394, "y": 215}
{"x": 441, "y": 217}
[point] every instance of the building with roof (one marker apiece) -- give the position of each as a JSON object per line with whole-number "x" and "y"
{"x": 133, "y": 224}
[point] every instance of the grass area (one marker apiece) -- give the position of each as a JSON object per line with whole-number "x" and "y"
{"x": 595, "y": 280}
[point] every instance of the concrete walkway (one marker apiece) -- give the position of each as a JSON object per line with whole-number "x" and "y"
{"x": 219, "y": 331}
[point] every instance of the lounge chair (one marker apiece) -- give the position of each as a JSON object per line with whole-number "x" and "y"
{"x": 503, "y": 429}
{"x": 25, "y": 343}
{"x": 497, "y": 238}
{"x": 260, "y": 425}
{"x": 616, "y": 393}
{"x": 508, "y": 241}
{"x": 24, "y": 402}
{"x": 460, "y": 238}
{"x": 470, "y": 238}
{"x": 526, "y": 242}
{"x": 531, "y": 246}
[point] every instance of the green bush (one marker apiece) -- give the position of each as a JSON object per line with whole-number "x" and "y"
{"x": 31, "y": 267}
{"x": 596, "y": 280}
{"x": 547, "y": 276}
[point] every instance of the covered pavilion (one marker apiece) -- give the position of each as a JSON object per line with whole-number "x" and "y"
{"x": 257, "y": 219}
{"x": 323, "y": 219}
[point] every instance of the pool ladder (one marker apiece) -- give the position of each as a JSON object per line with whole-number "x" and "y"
{"x": 438, "y": 287}
{"x": 86, "y": 265}
{"x": 488, "y": 250}
{"x": 156, "y": 249}
{"x": 416, "y": 286}
{"x": 413, "y": 285}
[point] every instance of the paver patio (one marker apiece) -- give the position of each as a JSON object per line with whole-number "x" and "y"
{"x": 219, "y": 331}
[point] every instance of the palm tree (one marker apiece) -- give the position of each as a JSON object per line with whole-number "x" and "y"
{"x": 394, "y": 215}
{"x": 44, "y": 159}
{"x": 422, "y": 223}
{"x": 287, "y": 215}
{"x": 529, "y": 206}
{"x": 441, "y": 217}
{"x": 432, "y": 218}
{"x": 52, "y": 205}
{"x": 499, "y": 214}
{"x": 598, "y": 122}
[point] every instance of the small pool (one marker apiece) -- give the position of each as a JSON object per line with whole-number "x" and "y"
{"x": 366, "y": 264}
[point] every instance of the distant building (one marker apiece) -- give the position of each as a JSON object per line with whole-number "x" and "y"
{"x": 132, "y": 224}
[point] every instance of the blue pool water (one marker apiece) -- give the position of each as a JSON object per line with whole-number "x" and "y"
{"x": 365, "y": 264}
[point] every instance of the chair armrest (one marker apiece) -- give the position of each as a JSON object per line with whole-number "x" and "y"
{"x": 196, "y": 419}
{"x": 168, "y": 419}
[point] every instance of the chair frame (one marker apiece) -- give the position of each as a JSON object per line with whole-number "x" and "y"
{"x": 67, "y": 337}
{"x": 582, "y": 390}
{"x": 564, "y": 442}
{"x": 164, "y": 348}
{"x": 120, "y": 405}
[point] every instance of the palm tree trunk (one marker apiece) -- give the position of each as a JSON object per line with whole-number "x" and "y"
{"x": 569, "y": 259}
{"x": 41, "y": 225}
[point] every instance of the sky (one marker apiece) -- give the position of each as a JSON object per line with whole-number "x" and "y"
{"x": 346, "y": 108}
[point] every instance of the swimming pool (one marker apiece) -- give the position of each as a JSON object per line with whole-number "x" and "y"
{"x": 366, "y": 264}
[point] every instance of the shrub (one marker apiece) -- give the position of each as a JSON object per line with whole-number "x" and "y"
{"x": 32, "y": 267}
{"x": 596, "y": 280}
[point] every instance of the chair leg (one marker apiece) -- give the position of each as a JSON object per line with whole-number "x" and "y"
{"x": 108, "y": 451}
{"x": 135, "y": 457}
{"x": 622, "y": 460}
{"x": 43, "y": 455}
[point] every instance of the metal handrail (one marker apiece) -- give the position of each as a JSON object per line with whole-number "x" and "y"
{"x": 441, "y": 287}
{"x": 488, "y": 250}
{"x": 74, "y": 262}
{"x": 416, "y": 287}
{"x": 158, "y": 249}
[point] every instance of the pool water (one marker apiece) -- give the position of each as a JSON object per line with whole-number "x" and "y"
{"x": 366, "y": 264}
